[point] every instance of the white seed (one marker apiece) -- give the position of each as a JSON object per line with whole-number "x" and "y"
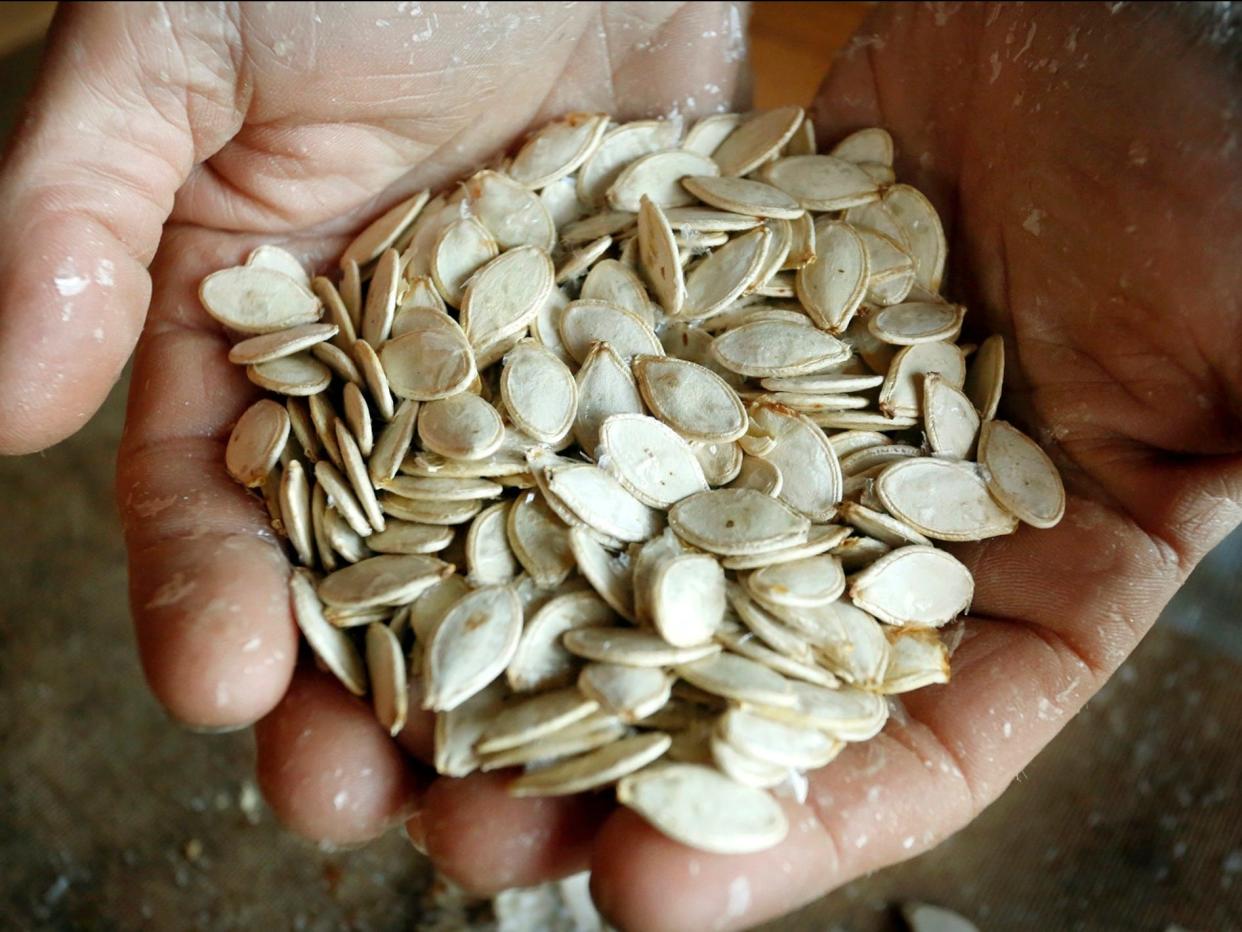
{"x": 471, "y": 646}
{"x": 256, "y": 442}
{"x": 736, "y": 521}
{"x": 389, "y": 690}
{"x": 649, "y": 460}
{"x": 1020, "y": 475}
{"x": 253, "y": 299}
{"x": 944, "y": 499}
{"x": 597, "y": 768}
{"x": 756, "y": 140}
{"x": 704, "y": 809}
{"x": 331, "y": 645}
{"x": 658, "y": 176}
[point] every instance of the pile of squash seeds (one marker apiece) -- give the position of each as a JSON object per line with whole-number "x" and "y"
{"x": 632, "y": 453}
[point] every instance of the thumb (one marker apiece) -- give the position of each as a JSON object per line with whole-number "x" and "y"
{"x": 85, "y": 188}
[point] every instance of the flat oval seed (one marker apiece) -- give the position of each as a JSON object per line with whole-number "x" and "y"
{"x": 872, "y": 144}
{"x": 557, "y": 148}
{"x": 833, "y": 285}
{"x": 944, "y": 499}
{"x": 737, "y": 678}
{"x": 489, "y": 559}
{"x": 471, "y": 646}
{"x": 951, "y": 422}
{"x": 821, "y": 539}
{"x": 256, "y": 442}
{"x": 594, "y": 769}
{"x": 631, "y": 693}
{"x": 382, "y": 232}
{"x": 393, "y": 443}
{"x": 615, "y": 283}
{"x": 720, "y": 462}
{"x": 330, "y": 644}
{"x": 432, "y": 360}
{"x": 409, "y": 537}
{"x": 631, "y": 647}
{"x": 659, "y": 258}
{"x": 693, "y": 400}
{"x": 601, "y": 502}
{"x": 743, "y": 196}
{"x": 764, "y": 348}
{"x": 776, "y": 742}
{"x": 268, "y": 346}
{"x": 701, "y": 808}
{"x": 585, "y": 323}
{"x": 382, "y": 580}
{"x": 541, "y": 660}
{"x": 377, "y": 315}
{"x": 742, "y": 768}
{"x": 722, "y": 276}
{"x": 650, "y": 460}
{"x": 512, "y": 212}
{"x": 429, "y": 512}
{"x": 539, "y": 392}
{"x": 808, "y": 582}
{"x": 917, "y": 658}
{"x": 736, "y": 521}
{"x": 460, "y": 250}
{"x": 298, "y": 374}
{"x": 917, "y": 586}
{"x": 531, "y": 718}
{"x": 821, "y": 182}
{"x": 919, "y": 221}
{"x": 917, "y": 322}
{"x": 608, "y": 575}
{"x": 463, "y": 427}
{"x": 812, "y": 476}
{"x": 658, "y": 176}
{"x": 504, "y": 296}
{"x": 709, "y": 132}
{"x": 458, "y": 729}
{"x": 295, "y": 511}
{"x": 986, "y": 376}
{"x": 1020, "y": 475}
{"x": 375, "y": 378}
{"x": 539, "y": 541}
{"x": 902, "y": 392}
{"x": 253, "y": 299}
{"x": 605, "y": 388}
{"x": 688, "y": 599}
{"x": 756, "y": 140}
{"x": 389, "y": 690}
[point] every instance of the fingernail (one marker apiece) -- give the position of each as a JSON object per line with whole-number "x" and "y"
{"x": 417, "y": 832}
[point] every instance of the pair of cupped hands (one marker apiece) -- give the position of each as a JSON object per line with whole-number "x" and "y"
{"x": 1085, "y": 160}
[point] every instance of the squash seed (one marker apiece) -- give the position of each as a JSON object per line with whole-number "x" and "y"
{"x": 471, "y": 646}
{"x": 693, "y": 400}
{"x": 944, "y": 499}
{"x": 987, "y": 375}
{"x": 709, "y": 132}
{"x": 699, "y": 807}
{"x": 1020, "y": 475}
{"x": 392, "y": 444}
{"x": 597, "y": 768}
{"x": 765, "y": 348}
{"x": 649, "y": 460}
{"x": 631, "y": 647}
{"x": 256, "y": 442}
{"x": 917, "y": 658}
{"x": 331, "y": 645}
{"x": 586, "y": 323}
{"x": 618, "y": 148}
{"x": 821, "y": 182}
{"x": 810, "y": 581}
{"x": 254, "y": 299}
{"x": 389, "y": 690}
{"x": 949, "y": 418}
{"x": 540, "y": 660}
{"x": 382, "y": 232}
{"x": 759, "y": 138}
{"x": 531, "y": 718}
{"x": 658, "y": 176}
{"x": 917, "y": 586}
{"x": 511, "y": 212}
{"x": 742, "y": 196}
{"x": 381, "y": 305}
{"x": 605, "y": 388}
{"x": 658, "y": 257}
{"x": 736, "y": 521}
{"x": 298, "y": 374}
{"x": 688, "y": 599}
{"x": 831, "y": 287}
{"x": 462, "y": 247}
{"x": 720, "y": 279}
{"x": 614, "y": 283}
{"x": 777, "y": 742}
{"x": 269, "y": 346}
{"x": 463, "y": 427}
{"x": 295, "y": 511}
{"x": 504, "y": 296}
{"x": 558, "y": 148}
{"x": 630, "y": 693}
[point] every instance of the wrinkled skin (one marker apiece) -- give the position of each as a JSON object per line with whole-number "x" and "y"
{"x": 1086, "y": 162}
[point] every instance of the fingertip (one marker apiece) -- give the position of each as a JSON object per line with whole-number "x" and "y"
{"x": 215, "y": 633}
{"x": 327, "y": 768}
{"x": 486, "y": 840}
{"x": 71, "y": 306}
{"x": 641, "y": 879}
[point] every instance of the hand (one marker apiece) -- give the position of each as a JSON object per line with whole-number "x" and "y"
{"x": 1086, "y": 165}
{"x": 260, "y": 140}
{"x": 178, "y": 137}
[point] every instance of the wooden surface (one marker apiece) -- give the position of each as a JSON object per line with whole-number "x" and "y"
{"x": 792, "y": 44}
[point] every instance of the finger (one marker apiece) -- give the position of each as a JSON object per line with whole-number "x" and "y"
{"x": 83, "y": 193}
{"x": 208, "y": 579}
{"x": 893, "y": 797}
{"x": 487, "y": 841}
{"x": 327, "y": 768}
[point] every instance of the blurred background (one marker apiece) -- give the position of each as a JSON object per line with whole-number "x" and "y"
{"x": 112, "y": 817}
